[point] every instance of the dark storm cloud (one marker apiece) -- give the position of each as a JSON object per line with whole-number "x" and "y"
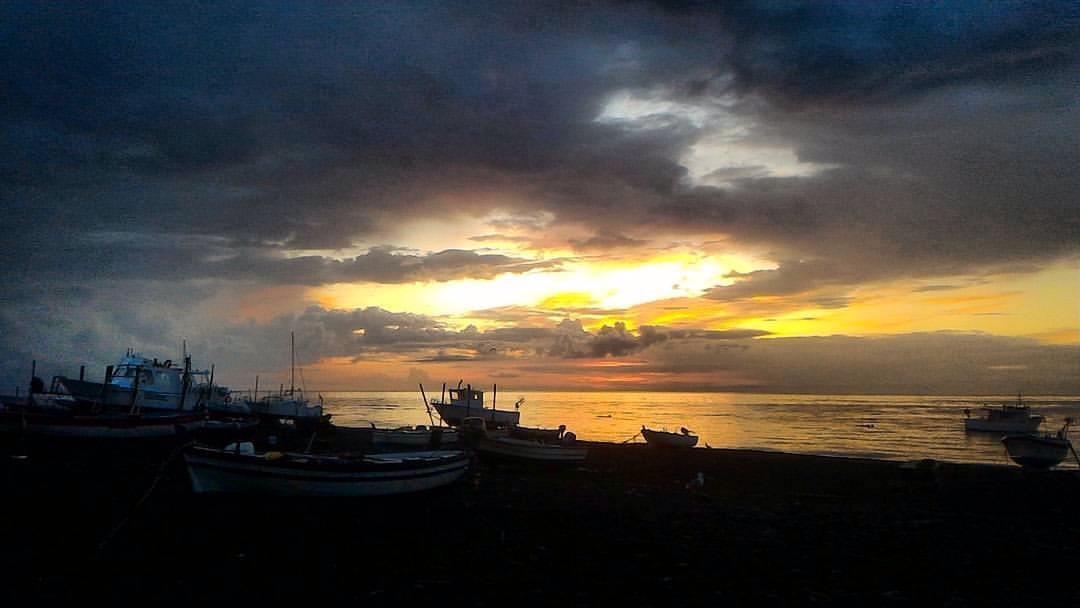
{"x": 270, "y": 124}
{"x": 186, "y": 144}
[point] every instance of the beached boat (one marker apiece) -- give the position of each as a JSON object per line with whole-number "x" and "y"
{"x": 1008, "y": 418}
{"x": 683, "y": 439}
{"x": 414, "y": 436}
{"x": 1039, "y": 451}
{"x": 63, "y": 424}
{"x": 530, "y": 451}
{"x": 239, "y": 469}
{"x": 536, "y": 434}
{"x": 468, "y": 403}
{"x": 290, "y": 406}
{"x": 139, "y": 383}
{"x": 498, "y": 445}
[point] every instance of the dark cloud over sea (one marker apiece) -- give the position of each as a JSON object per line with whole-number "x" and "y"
{"x": 182, "y": 147}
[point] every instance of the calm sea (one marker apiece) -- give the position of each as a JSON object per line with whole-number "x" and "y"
{"x": 891, "y": 427}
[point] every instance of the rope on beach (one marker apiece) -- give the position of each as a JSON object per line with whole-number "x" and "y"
{"x": 153, "y": 486}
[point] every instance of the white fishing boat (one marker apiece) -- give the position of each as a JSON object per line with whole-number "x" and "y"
{"x": 414, "y": 436}
{"x": 290, "y": 406}
{"x": 469, "y": 403}
{"x": 683, "y": 439}
{"x": 138, "y": 383}
{"x": 1039, "y": 451}
{"x": 497, "y": 445}
{"x": 1007, "y": 418}
{"x": 239, "y": 469}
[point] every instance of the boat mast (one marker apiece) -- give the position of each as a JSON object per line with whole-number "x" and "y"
{"x": 292, "y": 350}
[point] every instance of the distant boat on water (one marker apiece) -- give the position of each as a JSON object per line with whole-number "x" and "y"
{"x": 1008, "y": 418}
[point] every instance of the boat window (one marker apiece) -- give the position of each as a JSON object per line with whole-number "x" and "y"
{"x": 146, "y": 377}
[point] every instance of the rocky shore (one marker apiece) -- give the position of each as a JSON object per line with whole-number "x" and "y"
{"x": 634, "y": 525}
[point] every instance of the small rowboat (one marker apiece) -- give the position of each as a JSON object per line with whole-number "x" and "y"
{"x": 535, "y": 434}
{"x": 414, "y": 436}
{"x": 1039, "y": 451}
{"x": 238, "y": 469}
{"x": 528, "y": 451}
{"x": 99, "y": 427}
{"x": 664, "y": 439}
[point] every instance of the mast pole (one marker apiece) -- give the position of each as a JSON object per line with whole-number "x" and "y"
{"x": 292, "y": 351}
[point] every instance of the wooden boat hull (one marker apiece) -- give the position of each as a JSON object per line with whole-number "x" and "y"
{"x": 1034, "y": 452}
{"x": 417, "y": 438}
{"x": 520, "y": 450}
{"x": 533, "y": 434}
{"x": 102, "y": 427}
{"x": 454, "y": 414}
{"x": 668, "y": 440}
{"x": 213, "y": 471}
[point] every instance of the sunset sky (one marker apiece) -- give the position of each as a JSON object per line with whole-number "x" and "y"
{"x": 829, "y": 197}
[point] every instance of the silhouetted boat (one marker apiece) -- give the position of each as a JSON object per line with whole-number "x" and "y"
{"x": 1039, "y": 451}
{"x": 414, "y": 436}
{"x": 496, "y": 445}
{"x": 682, "y": 439}
{"x": 468, "y": 403}
{"x": 109, "y": 426}
{"x": 239, "y": 469}
{"x": 1007, "y": 418}
{"x": 290, "y": 406}
{"x": 535, "y": 434}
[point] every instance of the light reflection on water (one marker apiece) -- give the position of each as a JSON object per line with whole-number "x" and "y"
{"x": 893, "y": 427}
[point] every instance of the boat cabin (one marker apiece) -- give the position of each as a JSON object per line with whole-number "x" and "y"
{"x": 154, "y": 375}
{"x": 466, "y": 397}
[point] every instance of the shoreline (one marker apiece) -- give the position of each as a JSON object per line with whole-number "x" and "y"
{"x": 631, "y": 523}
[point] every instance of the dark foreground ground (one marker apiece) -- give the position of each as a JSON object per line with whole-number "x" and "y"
{"x": 630, "y": 527}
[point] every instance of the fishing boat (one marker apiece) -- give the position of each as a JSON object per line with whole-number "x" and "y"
{"x": 291, "y": 407}
{"x": 683, "y": 439}
{"x": 31, "y": 421}
{"x": 537, "y": 434}
{"x": 1039, "y": 451}
{"x": 499, "y": 446}
{"x": 414, "y": 436}
{"x": 469, "y": 403}
{"x": 139, "y": 383}
{"x": 1007, "y": 418}
{"x": 240, "y": 469}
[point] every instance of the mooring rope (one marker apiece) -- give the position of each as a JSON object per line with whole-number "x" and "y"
{"x": 632, "y": 437}
{"x": 153, "y": 486}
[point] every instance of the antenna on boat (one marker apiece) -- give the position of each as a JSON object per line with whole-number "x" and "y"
{"x": 494, "y": 394}
{"x": 292, "y": 352}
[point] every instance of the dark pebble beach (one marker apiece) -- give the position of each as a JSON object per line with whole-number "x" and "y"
{"x": 634, "y": 525}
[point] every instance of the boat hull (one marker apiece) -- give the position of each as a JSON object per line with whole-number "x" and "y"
{"x": 982, "y": 425}
{"x": 531, "y": 451}
{"x": 1033, "y": 452}
{"x": 102, "y": 427}
{"x": 668, "y": 440}
{"x": 213, "y": 471}
{"x": 454, "y": 414}
{"x": 413, "y": 437}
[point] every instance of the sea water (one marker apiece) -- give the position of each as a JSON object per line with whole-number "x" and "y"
{"x": 874, "y": 426}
